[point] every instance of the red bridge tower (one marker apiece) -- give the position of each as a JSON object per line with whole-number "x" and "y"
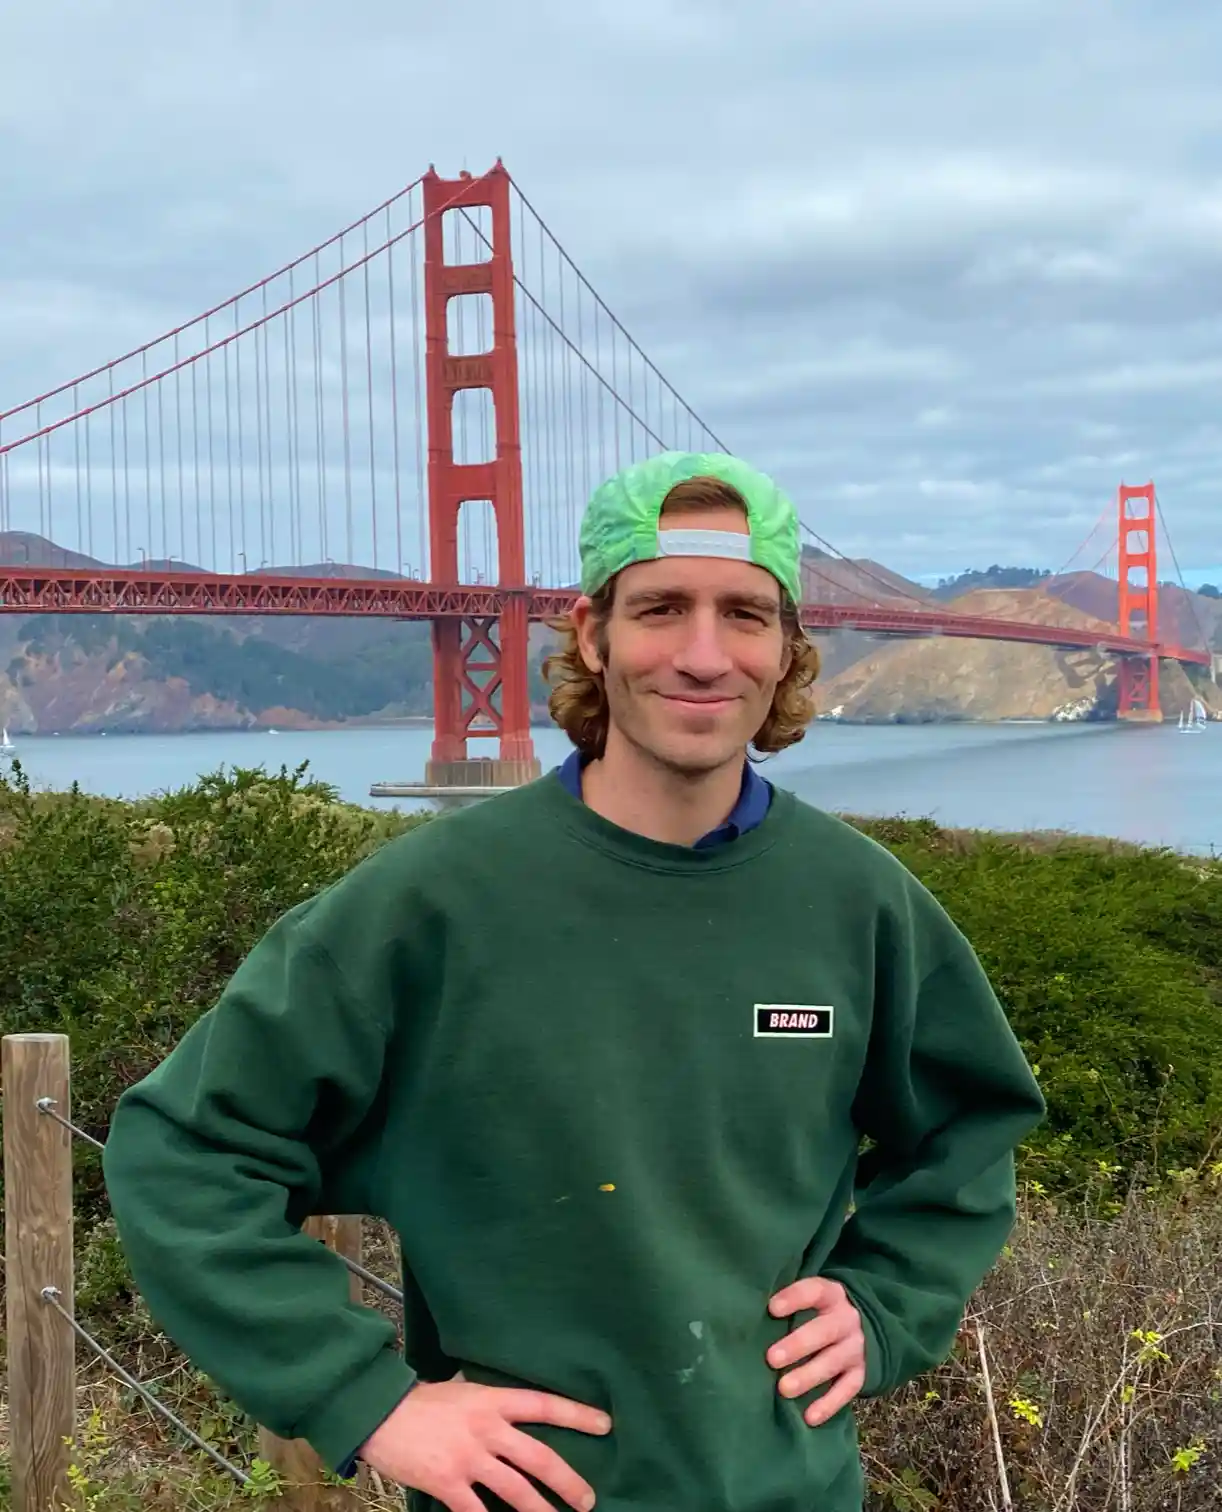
{"x": 479, "y": 665}
{"x": 1138, "y": 601}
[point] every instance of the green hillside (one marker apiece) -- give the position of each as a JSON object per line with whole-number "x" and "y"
{"x": 252, "y": 672}
{"x": 345, "y": 669}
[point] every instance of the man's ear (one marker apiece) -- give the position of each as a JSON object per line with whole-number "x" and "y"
{"x": 586, "y": 626}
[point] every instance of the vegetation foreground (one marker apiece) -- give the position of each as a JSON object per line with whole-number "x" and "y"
{"x": 1088, "y": 1373}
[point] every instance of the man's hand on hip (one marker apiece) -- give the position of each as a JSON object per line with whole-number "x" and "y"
{"x": 447, "y": 1437}
{"x": 829, "y": 1348}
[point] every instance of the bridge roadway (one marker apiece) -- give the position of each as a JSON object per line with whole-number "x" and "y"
{"x": 64, "y": 590}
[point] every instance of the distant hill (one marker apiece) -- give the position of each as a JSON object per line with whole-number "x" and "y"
{"x": 944, "y": 678}
{"x": 857, "y": 580}
{"x": 158, "y": 673}
{"x": 18, "y": 548}
{"x": 991, "y": 577}
{"x": 1188, "y": 619}
{"x": 21, "y": 548}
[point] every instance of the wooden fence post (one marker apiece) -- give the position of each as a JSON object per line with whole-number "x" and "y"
{"x": 299, "y": 1466}
{"x": 38, "y": 1253}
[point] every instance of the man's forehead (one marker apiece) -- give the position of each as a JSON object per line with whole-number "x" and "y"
{"x": 697, "y": 577}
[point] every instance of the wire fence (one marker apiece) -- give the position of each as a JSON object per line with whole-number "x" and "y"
{"x": 51, "y": 1296}
{"x": 39, "y": 1194}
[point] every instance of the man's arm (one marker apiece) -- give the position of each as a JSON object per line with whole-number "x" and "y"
{"x": 268, "y": 1111}
{"x": 946, "y": 1097}
{"x": 215, "y": 1159}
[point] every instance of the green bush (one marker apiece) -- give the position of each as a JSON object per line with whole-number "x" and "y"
{"x": 1108, "y": 959}
{"x": 120, "y": 923}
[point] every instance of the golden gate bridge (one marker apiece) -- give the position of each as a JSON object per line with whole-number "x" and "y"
{"x": 406, "y": 421}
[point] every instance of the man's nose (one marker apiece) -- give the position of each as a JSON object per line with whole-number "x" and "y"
{"x": 703, "y": 654}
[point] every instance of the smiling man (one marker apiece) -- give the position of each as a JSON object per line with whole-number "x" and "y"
{"x": 604, "y": 1052}
{"x": 701, "y": 601}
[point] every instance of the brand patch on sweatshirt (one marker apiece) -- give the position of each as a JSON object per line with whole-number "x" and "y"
{"x": 792, "y": 1020}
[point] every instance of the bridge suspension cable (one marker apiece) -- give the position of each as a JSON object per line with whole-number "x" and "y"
{"x": 281, "y": 436}
{"x": 180, "y": 330}
{"x": 1190, "y": 596}
{"x": 890, "y": 590}
{"x": 230, "y": 433}
{"x": 1105, "y": 513}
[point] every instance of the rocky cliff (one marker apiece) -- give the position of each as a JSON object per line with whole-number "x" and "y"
{"x": 943, "y": 678}
{"x": 95, "y": 673}
{"x": 88, "y": 694}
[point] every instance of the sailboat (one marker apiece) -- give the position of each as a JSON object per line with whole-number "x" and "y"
{"x": 1194, "y": 719}
{"x": 6, "y": 745}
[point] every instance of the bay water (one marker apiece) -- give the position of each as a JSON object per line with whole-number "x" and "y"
{"x": 1149, "y": 784}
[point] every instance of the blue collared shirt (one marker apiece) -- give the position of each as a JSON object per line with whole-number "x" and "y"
{"x": 754, "y": 798}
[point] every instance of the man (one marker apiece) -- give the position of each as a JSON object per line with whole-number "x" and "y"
{"x": 603, "y": 1051}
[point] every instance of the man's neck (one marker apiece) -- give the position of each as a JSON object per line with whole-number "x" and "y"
{"x": 626, "y": 788}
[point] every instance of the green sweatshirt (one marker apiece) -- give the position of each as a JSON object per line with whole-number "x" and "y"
{"x": 610, "y": 1093}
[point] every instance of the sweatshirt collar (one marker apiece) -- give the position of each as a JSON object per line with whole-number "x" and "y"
{"x": 749, "y": 811}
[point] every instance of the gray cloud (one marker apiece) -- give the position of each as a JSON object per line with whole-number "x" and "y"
{"x": 950, "y": 270}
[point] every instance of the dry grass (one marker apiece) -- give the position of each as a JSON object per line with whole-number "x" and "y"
{"x": 1099, "y": 1388}
{"x": 1102, "y": 1340}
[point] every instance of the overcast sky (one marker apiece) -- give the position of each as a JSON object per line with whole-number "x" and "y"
{"x": 950, "y": 269}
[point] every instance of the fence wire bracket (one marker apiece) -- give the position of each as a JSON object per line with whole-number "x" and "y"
{"x": 48, "y": 1105}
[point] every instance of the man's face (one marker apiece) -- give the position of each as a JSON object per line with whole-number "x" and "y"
{"x": 695, "y": 649}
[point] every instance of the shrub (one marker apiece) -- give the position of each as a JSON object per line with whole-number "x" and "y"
{"x": 120, "y": 923}
{"x": 1108, "y": 960}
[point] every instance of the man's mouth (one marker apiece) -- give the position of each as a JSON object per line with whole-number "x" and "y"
{"x": 706, "y": 702}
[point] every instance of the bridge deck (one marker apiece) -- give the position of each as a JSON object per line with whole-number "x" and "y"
{"x": 62, "y": 590}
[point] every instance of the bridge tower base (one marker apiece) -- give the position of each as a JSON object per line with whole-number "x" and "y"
{"x": 1138, "y": 563}
{"x": 480, "y": 666}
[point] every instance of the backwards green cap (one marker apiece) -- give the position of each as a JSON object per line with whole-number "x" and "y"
{"x": 621, "y": 521}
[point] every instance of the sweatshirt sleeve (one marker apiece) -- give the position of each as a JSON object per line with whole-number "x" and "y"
{"x": 946, "y": 1097}
{"x": 217, "y": 1157}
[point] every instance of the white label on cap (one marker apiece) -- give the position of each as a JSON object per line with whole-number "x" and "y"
{"x": 705, "y": 543}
